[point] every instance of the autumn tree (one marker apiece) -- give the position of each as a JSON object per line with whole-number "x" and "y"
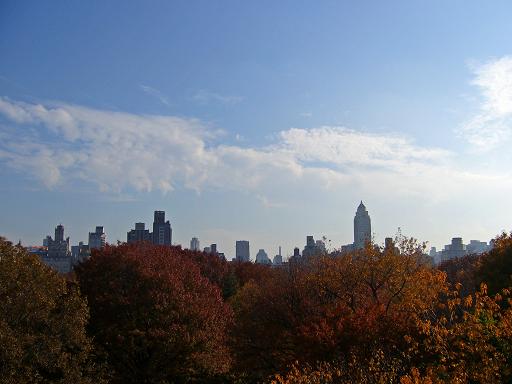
{"x": 42, "y": 324}
{"x": 496, "y": 265}
{"x": 329, "y": 308}
{"x": 468, "y": 339}
{"x": 158, "y": 319}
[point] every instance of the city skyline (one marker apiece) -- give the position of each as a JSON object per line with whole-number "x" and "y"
{"x": 361, "y": 230}
{"x": 259, "y": 121}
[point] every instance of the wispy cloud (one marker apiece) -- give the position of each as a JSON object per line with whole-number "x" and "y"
{"x": 204, "y": 96}
{"x": 492, "y": 125}
{"x": 155, "y": 93}
{"x": 120, "y": 152}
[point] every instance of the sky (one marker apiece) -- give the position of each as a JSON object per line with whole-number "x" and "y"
{"x": 264, "y": 121}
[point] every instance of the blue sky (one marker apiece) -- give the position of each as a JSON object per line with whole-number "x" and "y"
{"x": 265, "y": 121}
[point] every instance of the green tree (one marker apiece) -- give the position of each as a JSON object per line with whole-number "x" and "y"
{"x": 42, "y": 323}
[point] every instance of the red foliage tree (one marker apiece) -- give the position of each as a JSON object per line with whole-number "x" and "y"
{"x": 154, "y": 314}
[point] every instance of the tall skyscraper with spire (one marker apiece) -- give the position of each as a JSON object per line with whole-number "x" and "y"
{"x": 362, "y": 227}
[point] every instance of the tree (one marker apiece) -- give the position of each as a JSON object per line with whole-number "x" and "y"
{"x": 468, "y": 339}
{"x": 42, "y": 324}
{"x": 153, "y": 313}
{"x": 496, "y": 265}
{"x": 329, "y": 308}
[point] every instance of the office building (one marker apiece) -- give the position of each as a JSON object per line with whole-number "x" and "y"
{"x": 242, "y": 250}
{"x": 58, "y": 256}
{"x": 278, "y": 259}
{"x": 262, "y": 258}
{"x": 140, "y": 233}
{"x": 162, "y": 232}
{"x": 362, "y": 227}
{"x": 97, "y": 238}
{"x": 194, "y": 244}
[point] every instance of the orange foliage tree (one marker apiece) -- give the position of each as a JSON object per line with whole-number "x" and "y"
{"x": 327, "y": 308}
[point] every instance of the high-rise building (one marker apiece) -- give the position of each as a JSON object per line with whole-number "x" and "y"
{"x": 278, "y": 259}
{"x": 59, "y": 247}
{"x": 242, "y": 250}
{"x": 194, "y": 244}
{"x": 262, "y": 257}
{"x": 362, "y": 227}
{"x": 313, "y": 247}
{"x": 97, "y": 238}
{"x": 140, "y": 233}
{"x": 162, "y": 232}
{"x": 59, "y": 255}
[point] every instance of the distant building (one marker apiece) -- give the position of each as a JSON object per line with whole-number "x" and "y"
{"x": 80, "y": 252}
{"x": 194, "y": 244}
{"x": 59, "y": 247}
{"x": 313, "y": 248}
{"x": 162, "y": 232}
{"x": 362, "y": 230}
{"x": 454, "y": 250}
{"x": 458, "y": 249}
{"x": 262, "y": 258}
{"x": 140, "y": 233}
{"x": 296, "y": 252}
{"x": 477, "y": 247}
{"x": 278, "y": 259}
{"x": 390, "y": 246}
{"x": 58, "y": 256}
{"x": 97, "y": 238}
{"x": 207, "y": 250}
{"x": 242, "y": 250}
{"x": 362, "y": 227}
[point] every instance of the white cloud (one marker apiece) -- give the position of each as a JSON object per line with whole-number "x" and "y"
{"x": 120, "y": 152}
{"x": 492, "y": 125}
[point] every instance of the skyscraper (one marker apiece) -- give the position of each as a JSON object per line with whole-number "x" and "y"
{"x": 140, "y": 233}
{"x": 97, "y": 238}
{"x": 58, "y": 255}
{"x": 194, "y": 244}
{"x": 162, "y": 232}
{"x": 262, "y": 257}
{"x": 242, "y": 250}
{"x": 362, "y": 227}
{"x": 278, "y": 259}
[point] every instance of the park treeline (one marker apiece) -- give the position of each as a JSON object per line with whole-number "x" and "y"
{"x": 140, "y": 313}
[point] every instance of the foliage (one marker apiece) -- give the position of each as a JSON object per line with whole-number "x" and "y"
{"x": 496, "y": 265}
{"x": 377, "y": 369}
{"x": 331, "y": 307}
{"x": 155, "y": 315}
{"x": 468, "y": 340}
{"x": 464, "y": 271}
{"x": 42, "y": 324}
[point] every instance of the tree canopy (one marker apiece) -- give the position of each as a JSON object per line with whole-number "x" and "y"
{"x": 42, "y": 324}
{"x": 158, "y": 319}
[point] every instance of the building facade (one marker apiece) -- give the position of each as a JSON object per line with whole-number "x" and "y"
{"x": 194, "y": 244}
{"x": 262, "y": 257}
{"x": 162, "y": 231}
{"x": 362, "y": 227}
{"x": 58, "y": 256}
{"x": 140, "y": 233}
{"x": 242, "y": 251}
{"x": 97, "y": 239}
